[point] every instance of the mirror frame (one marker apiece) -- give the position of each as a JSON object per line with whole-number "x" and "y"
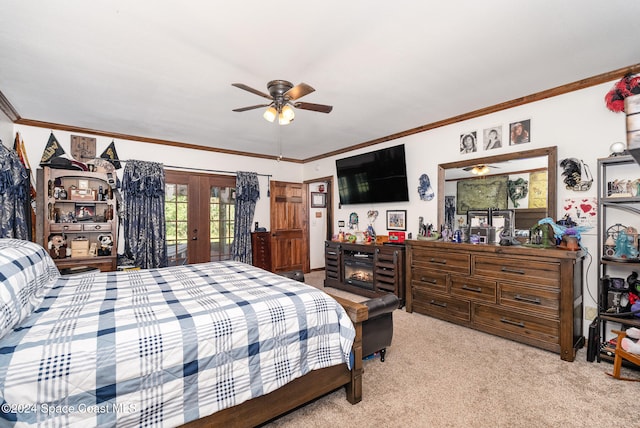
{"x": 552, "y": 174}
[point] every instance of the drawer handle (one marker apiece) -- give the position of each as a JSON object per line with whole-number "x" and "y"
{"x": 429, "y": 280}
{"x": 527, "y": 299}
{"x": 97, "y": 227}
{"x": 517, "y": 324}
{"x": 333, "y": 253}
{"x": 441, "y": 304}
{"x": 65, "y": 227}
{"x": 440, "y": 262}
{"x": 508, "y": 270}
{"x": 474, "y": 289}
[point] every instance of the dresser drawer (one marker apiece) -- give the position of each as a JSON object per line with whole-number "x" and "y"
{"x": 545, "y": 274}
{"x": 441, "y": 260}
{"x": 96, "y": 227}
{"x": 440, "y": 305}
{"x": 527, "y": 327}
{"x": 65, "y": 227}
{"x": 542, "y": 301}
{"x": 473, "y": 288}
{"x": 429, "y": 279}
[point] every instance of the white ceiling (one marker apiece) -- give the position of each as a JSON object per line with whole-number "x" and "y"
{"x": 163, "y": 69}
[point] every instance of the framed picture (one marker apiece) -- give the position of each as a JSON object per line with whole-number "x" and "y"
{"x": 396, "y": 219}
{"x": 318, "y": 200}
{"x": 469, "y": 142}
{"x": 520, "y": 132}
{"x": 85, "y": 212}
{"x": 492, "y": 138}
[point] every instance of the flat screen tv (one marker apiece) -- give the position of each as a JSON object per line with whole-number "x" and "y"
{"x": 374, "y": 177}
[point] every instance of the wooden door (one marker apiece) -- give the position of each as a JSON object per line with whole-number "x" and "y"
{"x": 289, "y": 227}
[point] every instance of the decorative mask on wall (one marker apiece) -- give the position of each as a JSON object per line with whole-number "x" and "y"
{"x": 577, "y": 175}
{"x": 424, "y": 189}
{"x": 353, "y": 221}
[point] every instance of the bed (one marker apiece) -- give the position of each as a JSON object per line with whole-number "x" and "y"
{"x": 220, "y": 343}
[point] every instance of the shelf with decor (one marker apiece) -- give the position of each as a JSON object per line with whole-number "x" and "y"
{"x": 77, "y": 219}
{"x": 618, "y": 248}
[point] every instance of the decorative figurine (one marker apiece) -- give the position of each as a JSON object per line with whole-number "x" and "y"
{"x": 624, "y": 249}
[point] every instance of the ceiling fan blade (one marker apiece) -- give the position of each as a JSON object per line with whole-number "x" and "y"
{"x": 250, "y": 107}
{"x": 314, "y": 107}
{"x": 250, "y": 89}
{"x": 298, "y": 91}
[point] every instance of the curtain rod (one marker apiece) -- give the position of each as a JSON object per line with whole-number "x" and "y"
{"x": 212, "y": 170}
{"x": 208, "y": 170}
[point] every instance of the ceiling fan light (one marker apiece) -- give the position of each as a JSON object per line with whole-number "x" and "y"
{"x": 480, "y": 170}
{"x": 285, "y": 118}
{"x": 270, "y": 114}
{"x": 288, "y": 113}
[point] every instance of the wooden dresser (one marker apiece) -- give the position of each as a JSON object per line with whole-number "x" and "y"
{"x": 530, "y": 295}
{"x": 261, "y": 249}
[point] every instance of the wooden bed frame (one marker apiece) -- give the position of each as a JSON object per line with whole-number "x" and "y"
{"x": 300, "y": 391}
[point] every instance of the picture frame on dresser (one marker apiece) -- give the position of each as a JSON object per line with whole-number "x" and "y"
{"x": 396, "y": 219}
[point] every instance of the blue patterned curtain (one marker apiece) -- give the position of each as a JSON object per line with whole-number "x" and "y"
{"x": 247, "y": 193}
{"x": 14, "y": 195}
{"x": 143, "y": 213}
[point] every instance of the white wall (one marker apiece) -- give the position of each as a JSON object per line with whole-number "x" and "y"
{"x": 578, "y": 123}
{"x": 36, "y": 139}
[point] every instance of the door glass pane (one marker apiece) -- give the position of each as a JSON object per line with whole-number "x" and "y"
{"x": 176, "y": 208}
{"x": 221, "y": 221}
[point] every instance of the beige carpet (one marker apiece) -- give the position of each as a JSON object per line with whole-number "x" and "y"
{"x": 437, "y": 374}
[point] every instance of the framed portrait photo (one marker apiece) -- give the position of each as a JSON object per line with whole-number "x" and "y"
{"x": 492, "y": 138}
{"x": 396, "y": 219}
{"x": 520, "y": 132}
{"x": 469, "y": 142}
{"x": 318, "y": 200}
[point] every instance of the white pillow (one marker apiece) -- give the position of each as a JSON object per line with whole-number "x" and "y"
{"x": 26, "y": 273}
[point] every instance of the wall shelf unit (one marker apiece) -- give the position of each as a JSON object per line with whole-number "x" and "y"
{"x": 618, "y": 209}
{"x": 83, "y": 213}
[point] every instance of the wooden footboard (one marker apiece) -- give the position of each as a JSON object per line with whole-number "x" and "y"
{"x": 300, "y": 391}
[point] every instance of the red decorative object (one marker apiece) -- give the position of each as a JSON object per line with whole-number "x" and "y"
{"x": 321, "y": 188}
{"x": 627, "y": 86}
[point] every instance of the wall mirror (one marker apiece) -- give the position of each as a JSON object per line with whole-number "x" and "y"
{"x": 479, "y": 181}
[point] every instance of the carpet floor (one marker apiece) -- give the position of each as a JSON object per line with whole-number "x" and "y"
{"x": 438, "y": 374}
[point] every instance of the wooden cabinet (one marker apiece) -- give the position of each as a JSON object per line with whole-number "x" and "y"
{"x": 80, "y": 207}
{"x": 261, "y": 250}
{"x": 530, "y": 295}
{"x": 365, "y": 269}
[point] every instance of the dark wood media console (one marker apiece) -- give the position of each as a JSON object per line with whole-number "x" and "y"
{"x": 365, "y": 269}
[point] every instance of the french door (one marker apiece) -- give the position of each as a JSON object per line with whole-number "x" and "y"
{"x": 199, "y": 216}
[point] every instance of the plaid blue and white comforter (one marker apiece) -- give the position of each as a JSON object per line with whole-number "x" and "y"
{"x": 165, "y": 346}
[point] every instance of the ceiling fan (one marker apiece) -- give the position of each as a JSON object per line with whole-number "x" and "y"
{"x": 282, "y": 95}
{"x": 479, "y": 169}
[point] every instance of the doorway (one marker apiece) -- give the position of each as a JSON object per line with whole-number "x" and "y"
{"x": 199, "y": 216}
{"x": 320, "y": 220}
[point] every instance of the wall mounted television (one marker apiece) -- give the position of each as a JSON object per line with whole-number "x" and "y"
{"x": 374, "y": 177}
